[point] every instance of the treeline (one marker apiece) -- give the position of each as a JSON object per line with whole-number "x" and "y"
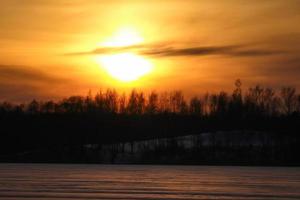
{"x": 257, "y": 101}
{"x": 66, "y": 127}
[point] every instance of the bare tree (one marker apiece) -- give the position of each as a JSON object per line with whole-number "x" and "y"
{"x": 141, "y": 103}
{"x": 48, "y": 107}
{"x": 222, "y": 103}
{"x": 177, "y": 102}
{"x": 100, "y": 101}
{"x": 152, "y": 106}
{"x": 289, "y": 99}
{"x": 213, "y": 103}
{"x": 89, "y": 103}
{"x": 122, "y": 103}
{"x": 111, "y": 101}
{"x": 164, "y": 102}
{"x": 196, "y": 106}
{"x": 33, "y": 107}
{"x": 132, "y": 106}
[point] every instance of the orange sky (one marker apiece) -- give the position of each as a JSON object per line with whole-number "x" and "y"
{"x": 50, "y": 49}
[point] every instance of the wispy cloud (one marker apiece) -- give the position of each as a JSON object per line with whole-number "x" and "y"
{"x": 25, "y": 73}
{"x": 23, "y": 83}
{"x": 161, "y": 50}
{"x": 106, "y": 50}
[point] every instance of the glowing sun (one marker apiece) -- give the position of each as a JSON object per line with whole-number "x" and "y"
{"x": 125, "y": 66}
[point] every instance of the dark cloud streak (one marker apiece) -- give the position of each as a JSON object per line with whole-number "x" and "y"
{"x": 25, "y": 73}
{"x": 171, "y": 51}
{"x": 24, "y": 83}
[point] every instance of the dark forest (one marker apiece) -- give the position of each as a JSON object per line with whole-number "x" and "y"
{"x": 77, "y": 128}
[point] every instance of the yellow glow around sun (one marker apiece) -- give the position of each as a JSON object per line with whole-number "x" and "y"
{"x": 126, "y": 66}
{"x": 124, "y": 37}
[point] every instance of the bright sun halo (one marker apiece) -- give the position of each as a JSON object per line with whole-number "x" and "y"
{"x": 126, "y": 66}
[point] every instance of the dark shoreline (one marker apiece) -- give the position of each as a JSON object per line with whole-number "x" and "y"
{"x": 141, "y": 164}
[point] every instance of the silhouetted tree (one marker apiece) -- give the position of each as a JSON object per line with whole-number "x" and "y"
{"x": 152, "y": 106}
{"x": 206, "y": 103}
{"x": 111, "y": 101}
{"x": 222, "y": 104}
{"x": 6, "y": 107}
{"x": 141, "y": 103}
{"x": 177, "y": 102}
{"x": 196, "y": 106}
{"x": 213, "y": 104}
{"x": 33, "y": 107}
{"x": 122, "y": 103}
{"x": 100, "y": 101}
{"x": 164, "y": 102}
{"x": 289, "y": 99}
{"x": 236, "y": 104}
{"x": 48, "y": 107}
{"x": 89, "y": 103}
{"x": 133, "y": 103}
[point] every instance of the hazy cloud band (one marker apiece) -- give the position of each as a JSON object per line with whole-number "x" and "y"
{"x": 171, "y": 51}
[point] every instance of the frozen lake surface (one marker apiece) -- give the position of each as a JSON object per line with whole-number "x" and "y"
{"x": 62, "y": 182}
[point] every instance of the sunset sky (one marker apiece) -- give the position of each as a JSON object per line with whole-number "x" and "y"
{"x": 53, "y": 49}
